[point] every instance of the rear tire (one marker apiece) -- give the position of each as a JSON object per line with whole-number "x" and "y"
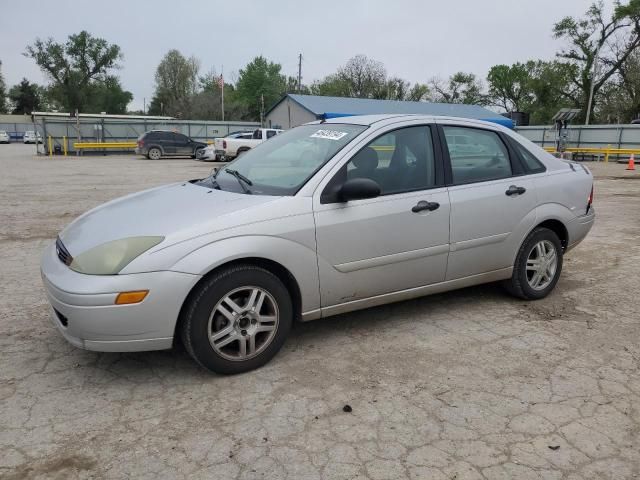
{"x": 237, "y": 319}
{"x": 537, "y": 267}
{"x": 154, "y": 153}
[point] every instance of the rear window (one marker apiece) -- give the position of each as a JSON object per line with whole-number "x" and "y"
{"x": 531, "y": 163}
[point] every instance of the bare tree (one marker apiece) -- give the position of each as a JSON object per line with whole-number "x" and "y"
{"x": 362, "y": 76}
{"x": 596, "y": 38}
{"x": 461, "y": 87}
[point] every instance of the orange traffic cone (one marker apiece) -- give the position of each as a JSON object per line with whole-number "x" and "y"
{"x": 632, "y": 163}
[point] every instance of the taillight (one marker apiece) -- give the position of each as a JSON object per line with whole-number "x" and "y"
{"x": 224, "y": 144}
{"x": 140, "y": 143}
{"x": 590, "y": 199}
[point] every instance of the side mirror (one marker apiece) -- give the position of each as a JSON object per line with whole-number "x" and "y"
{"x": 358, "y": 189}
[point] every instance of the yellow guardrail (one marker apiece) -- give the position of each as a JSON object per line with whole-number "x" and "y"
{"x": 91, "y": 145}
{"x": 598, "y": 151}
{"x": 384, "y": 148}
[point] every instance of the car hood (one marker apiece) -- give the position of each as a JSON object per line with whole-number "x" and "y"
{"x": 176, "y": 212}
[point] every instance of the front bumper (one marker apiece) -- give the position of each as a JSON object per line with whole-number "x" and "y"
{"x": 206, "y": 154}
{"x": 579, "y": 227}
{"x": 84, "y": 312}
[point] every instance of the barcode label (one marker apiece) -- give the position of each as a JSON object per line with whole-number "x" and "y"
{"x": 329, "y": 134}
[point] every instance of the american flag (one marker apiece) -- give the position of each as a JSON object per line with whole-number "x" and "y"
{"x": 221, "y": 82}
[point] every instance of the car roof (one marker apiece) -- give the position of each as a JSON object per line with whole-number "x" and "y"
{"x": 369, "y": 120}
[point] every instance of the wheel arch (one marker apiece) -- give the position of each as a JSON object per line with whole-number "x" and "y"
{"x": 279, "y": 270}
{"x": 558, "y": 227}
{"x": 154, "y": 145}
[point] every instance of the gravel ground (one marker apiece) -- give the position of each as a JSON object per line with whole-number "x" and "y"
{"x": 465, "y": 385}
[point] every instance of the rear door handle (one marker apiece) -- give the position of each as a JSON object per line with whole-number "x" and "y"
{"x": 424, "y": 205}
{"x": 513, "y": 190}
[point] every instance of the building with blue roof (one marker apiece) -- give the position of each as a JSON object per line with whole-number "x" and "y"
{"x": 293, "y": 110}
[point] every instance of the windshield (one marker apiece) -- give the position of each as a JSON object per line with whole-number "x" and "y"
{"x": 282, "y": 164}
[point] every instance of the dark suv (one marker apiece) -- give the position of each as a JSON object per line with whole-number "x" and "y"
{"x": 160, "y": 143}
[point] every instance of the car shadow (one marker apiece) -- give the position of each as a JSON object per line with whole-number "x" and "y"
{"x": 177, "y": 364}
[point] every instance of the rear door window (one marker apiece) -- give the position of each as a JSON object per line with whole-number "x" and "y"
{"x": 476, "y": 155}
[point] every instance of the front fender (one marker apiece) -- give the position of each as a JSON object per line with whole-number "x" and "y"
{"x": 297, "y": 258}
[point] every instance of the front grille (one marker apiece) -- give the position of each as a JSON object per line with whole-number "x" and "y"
{"x": 64, "y": 321}
{"x": 63, "y": 254}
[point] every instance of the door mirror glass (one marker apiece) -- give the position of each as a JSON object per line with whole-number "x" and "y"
{"x": 359, "y": 188}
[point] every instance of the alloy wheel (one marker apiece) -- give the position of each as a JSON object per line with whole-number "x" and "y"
{"x": 243, "y": 323}
{"x": 542, "y": 264}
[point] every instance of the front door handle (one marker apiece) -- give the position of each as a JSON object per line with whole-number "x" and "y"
{"x": 513, "y": 190}
{"x": 424, "y": 205}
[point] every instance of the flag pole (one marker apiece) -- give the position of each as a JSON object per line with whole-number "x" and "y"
{"x": 222, "y": 90}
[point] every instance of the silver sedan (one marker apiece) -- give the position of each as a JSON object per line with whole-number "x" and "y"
{"x": 324, "y": 219}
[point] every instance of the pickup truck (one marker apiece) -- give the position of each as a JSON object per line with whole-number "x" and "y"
{"x": 229, "y": 148}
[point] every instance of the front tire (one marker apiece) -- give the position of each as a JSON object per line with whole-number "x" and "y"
{"x": 538, "y": 265}
{"x": 237, "y": 319}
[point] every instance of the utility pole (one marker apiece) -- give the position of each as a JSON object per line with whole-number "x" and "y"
{"x": 300, "y": 73}
{"x": 221, "y": 83}
{"x": 144, "y": 105}
{"x": 262, "y": 110}
{"x": 594, "y": 72}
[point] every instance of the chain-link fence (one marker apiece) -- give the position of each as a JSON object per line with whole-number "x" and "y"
{"x": 593, "y": 136}
{"x": 98, "y": 128}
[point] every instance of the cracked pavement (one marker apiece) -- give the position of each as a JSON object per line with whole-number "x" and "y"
{"x": 471, "y": 384}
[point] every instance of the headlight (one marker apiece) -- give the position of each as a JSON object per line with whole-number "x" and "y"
{"x": 111, "y": 257}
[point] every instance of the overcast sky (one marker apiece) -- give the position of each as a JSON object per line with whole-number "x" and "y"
{"x": 415, "y": 39}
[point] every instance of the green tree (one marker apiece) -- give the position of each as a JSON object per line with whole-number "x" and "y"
{"x": 510, "y": 87}
{"x": 330, "y": 86}
{"x": 598, "y": 38}
{"x": 537, "y": 87}
{"x": 461, "y": 87}
{"x": 392, "y": 88}
{"x": 207, "y": 103}
{"x": 74, "y": 66}
{"x": 25, "y": 97}
{"x": 108, "y": 96}
{"x": 552, "y": 88}
{"x": 3, "y": 92}
{"x": 419, "y": 92}
{"x": 260, "y": 83}
{"x": 176, "y": 83}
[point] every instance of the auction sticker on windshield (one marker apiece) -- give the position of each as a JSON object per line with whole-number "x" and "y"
{"x": 329, "y": 134}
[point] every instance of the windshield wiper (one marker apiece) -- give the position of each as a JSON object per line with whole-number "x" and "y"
{"x": 241, "y": 179}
